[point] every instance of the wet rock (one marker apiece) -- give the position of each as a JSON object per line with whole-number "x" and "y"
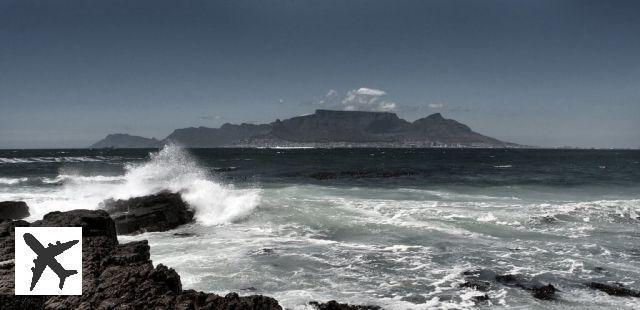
{"x": 545, "y": 292}
{"x": 250, "y": 289}
{"x": 159, "y": 212}
{"x": 481, "y": 298}
{"x": 334, "y": 305}
{"x": 115, "y": 276}
{"x": 184, "y": 235}
{"x": 614, "y": 289}
{"x": 263, "y": 251}
{"x": 510, "y": 279}
{"x": 481, "y": 280}
{"x": 477, "y": 285}
{"x": 14, "y": 210}
{"x": 538, "y": 290}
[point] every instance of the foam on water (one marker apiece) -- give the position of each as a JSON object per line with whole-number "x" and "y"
{"x": 50, "y": 159}
{"x": 394, "y": 242}
{"x": 12, "y": 181}
{"x": 172, "y": 168}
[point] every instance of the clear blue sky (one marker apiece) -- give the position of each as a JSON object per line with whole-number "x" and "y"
{"x": 548, "y": 73}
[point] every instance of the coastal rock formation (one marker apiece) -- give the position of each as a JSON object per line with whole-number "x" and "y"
{"x": 159, "y": 212}
{"x": 115, "y": 276}
{"x": 334, "y": 305}
{"x": 324, "y": 128}
{"x": 614, "y": 289}
{"x": 13, "y": 210}
{"x": 481, "y": 280}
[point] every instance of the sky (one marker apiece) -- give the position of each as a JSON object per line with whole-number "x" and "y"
{"x": 545, "y": 72}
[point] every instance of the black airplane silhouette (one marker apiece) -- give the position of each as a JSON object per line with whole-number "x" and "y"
{"x": 47, "y": 257}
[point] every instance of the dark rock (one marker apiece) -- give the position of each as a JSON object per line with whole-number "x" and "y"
{"x": 13, "y": 210}
{"x": 545, "y": 292}
{"x": 184, "y": 235}
{"x": 115, "y": 276}
{"x": 479, "y": 279}
{"x": 250, "y": 289}
{"x": 480, "y": 298}
{"x": 334, "y": 305}
{"x": 614, "y": 289}
{"x": 540, "y": 291}
{"x": 510, "y": 279}
{"x": 477, "y": 285}
{"x": 159, "y": 212}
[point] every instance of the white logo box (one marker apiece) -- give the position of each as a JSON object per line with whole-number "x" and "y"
{"x": 69, "y": 260}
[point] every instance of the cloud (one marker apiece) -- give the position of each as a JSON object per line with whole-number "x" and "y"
{"x": 437, "y": 105}
{"x": 367, "y": 99}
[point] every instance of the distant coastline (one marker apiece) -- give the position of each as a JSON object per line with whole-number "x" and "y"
{"x": 323, "y": 129}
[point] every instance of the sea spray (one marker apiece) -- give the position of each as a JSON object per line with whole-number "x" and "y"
{"x": 172, "y": 168}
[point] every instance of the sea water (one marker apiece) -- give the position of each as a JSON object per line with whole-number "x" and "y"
{"x": 390, "y": 227}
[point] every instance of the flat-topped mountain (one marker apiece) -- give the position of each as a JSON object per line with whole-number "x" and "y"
{"x": 324, "y": 128}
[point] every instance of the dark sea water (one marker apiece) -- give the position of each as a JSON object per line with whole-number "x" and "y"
{"x": 391, "y": 227}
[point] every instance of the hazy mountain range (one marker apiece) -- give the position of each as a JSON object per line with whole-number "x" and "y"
{"x": 324, "y": 128}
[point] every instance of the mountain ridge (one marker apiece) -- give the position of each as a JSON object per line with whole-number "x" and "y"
{"x": 324, "y": 128}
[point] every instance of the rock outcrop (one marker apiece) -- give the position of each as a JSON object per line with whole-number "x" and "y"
{"x": 115, "y": 276}
{"x": 159, "y": 212}
{"x": 15, "y": 210}
{"x": 334, "y": 305}
{"x": 481, "y": 280}
{"x": 614, "y": 289}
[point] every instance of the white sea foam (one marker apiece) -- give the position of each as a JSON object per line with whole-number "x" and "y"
{"x": 502, "y": 166}
{"x": 50, "y": 159}
{"x": 173, "y": 169}
{"x": 12, "y": 181}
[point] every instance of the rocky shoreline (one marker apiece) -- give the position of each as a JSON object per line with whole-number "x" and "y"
{"x": 114, "y": 275}
{"x": 122, "y": 276}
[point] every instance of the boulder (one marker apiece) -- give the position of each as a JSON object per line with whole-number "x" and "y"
{"x": 159, "y": 212}
{"x": 481, "y": 280}
{"x": 115, "y": 276}
{"x": 614, "y": 289}
{"x": 14, "y": 210}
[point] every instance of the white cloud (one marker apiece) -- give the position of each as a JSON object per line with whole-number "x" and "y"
{"x": 436, "y": 105}
{"x": 367, "y": 99}
{"x": 332, "y": 93}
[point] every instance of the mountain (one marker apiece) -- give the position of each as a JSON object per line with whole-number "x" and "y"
{"x": 121, "y": 140}
{"x": 324, "y": 128}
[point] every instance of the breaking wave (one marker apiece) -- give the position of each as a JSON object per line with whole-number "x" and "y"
{"x": 12, "y": 181}
{"x": 173, "y": 169}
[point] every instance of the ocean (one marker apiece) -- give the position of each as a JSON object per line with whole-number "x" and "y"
{"x": 396, "y": 228}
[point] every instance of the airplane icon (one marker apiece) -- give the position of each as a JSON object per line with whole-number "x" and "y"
{"x": 46, "y": 257}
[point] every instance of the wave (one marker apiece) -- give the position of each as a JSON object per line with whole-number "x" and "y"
{"x": 48, "y": 159}
{"x": 173, "y": 169}
{"x": 12, "y": 181}
{"x": 81, "y": 178}
{"x": 502, "y": 166}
